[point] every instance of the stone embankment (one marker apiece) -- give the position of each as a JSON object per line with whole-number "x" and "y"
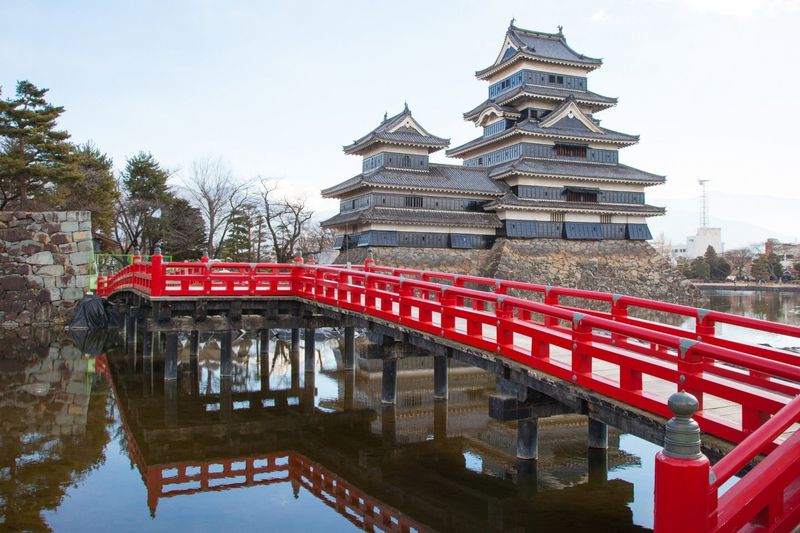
{"x": 624, "y": 267}
{"x": 44, "y": 265}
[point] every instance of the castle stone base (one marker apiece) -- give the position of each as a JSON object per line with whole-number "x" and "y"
{"x": 624, "y": 267}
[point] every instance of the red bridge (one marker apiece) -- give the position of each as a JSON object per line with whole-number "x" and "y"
{"x": 564, "y": 342}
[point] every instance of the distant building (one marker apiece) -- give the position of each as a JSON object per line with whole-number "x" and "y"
{"x": 697, "y": 244}
{"x": 789, "y": 253}
{"x": 543, "y": 167}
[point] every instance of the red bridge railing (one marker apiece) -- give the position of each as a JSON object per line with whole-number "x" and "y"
{"x": 642, "y": 360}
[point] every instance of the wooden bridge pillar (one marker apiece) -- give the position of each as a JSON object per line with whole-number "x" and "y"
{"x": 440, "y": 377}
{"x": 226, "y": 353}
{"x": 440, "y": 419}
{"x": 598, "y": 434}
{"x": 295, "y": 347}
{"x": 389, "y": 380}
{"x": 528, "y": 438}
{"x": 310, "y": 349}
{"x": 349, "y": 348}
{"x": 264, "y": 342}
{"x": 598, "y": 465}
{"x": 171, "y": 357}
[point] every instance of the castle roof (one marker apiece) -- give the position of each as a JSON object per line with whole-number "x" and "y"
{"x": 438, "y": 177}
{"x": 559, "y": 168}
{"x": 512, "y": 201}
{"x": 401, "y": 129}
{"x": 430, "y": 217}
{"x": 593, "y": 100}
{"x": 546, "y": 47}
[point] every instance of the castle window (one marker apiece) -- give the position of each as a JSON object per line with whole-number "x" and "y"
{"x": 413, "y": 201}
{"x": 406, "y": 163}
{"x": 584, "y": 195}
{"x": 560, "y": 80}
{"x": 551, "y": 78}
{"x": 556, "y": 217}
{"x": 569, "y": 150}
{"x": 605, "y": 219}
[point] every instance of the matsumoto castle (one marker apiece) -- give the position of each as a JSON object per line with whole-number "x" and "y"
{"x": 543, "y": 168}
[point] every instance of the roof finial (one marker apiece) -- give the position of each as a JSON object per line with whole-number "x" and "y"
{"x": 385, "y": 115}
{"x": 560, "y": 29}
{"x": 405, "y": 106}
{"x": 511, "y": 24}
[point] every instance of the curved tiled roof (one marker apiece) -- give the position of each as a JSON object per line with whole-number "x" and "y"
{"x": 449, "y": 178}
{"x": 587, "y": 98}
{"x": 403, "y": 135}
{"x": 416, "y": 216}
{"x": 512, "y": 201}
{"x": 550, "y": 47}
{"x": 575, "y": 169}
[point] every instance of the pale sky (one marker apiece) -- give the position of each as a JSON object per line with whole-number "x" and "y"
{"x": 277, "y": 88}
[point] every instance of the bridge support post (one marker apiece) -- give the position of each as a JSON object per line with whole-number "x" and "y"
{"x": 389, "y": 425}
{"x": 528, "y": 438}
{"x": 349, "y": 348}
{"x": 225, "y": 355}
{"x": 389, "y": 380}
{"x": 295, "y": 340}
{"x": 264, "y": 342}
{"x": 440, "y": 377}
{"x": 598, "y": 434}
{"x": 598, "y": 465}
{"x": 440, "y": 419}
{"x": 310, "y": 349}
{"x": 171, "y": 357}
{"x": 682, "y": 472}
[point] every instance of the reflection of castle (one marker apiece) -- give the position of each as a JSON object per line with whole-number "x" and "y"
{"x": 52, "y": 429}
{"x": 186, "y": 440}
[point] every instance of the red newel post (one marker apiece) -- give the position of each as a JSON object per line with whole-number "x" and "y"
{"x": 682, "y": 485}
{"x": 156, "y": 273}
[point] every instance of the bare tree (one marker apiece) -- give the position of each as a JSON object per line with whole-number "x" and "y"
{"x": 314, "y": 239}
{"x": 217, "y": 194}
{"x": 739, "y": 259}
{"x": 285, "y": 219}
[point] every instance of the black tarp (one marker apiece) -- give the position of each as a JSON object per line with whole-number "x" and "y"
{"x": 92, "y": 313}
{"x": 90, "y": 341}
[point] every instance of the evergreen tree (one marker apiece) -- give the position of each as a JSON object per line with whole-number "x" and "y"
{"x": 185, "y": 236}
{"x": 240, "y": 242}
{"x": 34, "y": 155}
{"x": 718, "y": 268}
{"x": 760, "y": 268}
{"x": 95, "y": 189}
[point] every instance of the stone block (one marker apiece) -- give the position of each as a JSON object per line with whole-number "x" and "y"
{"x": 14, "y": 234}
{"x": 68, "y": 248}
{"x": 29, "y": 247}
{"x": 6, "y": 216}
{"x": 9, "y": 324}
{"x": 75, "y": 410}
{"x": 72, "y": 215}
{"x": 86, "y": 246}
{"x": 84, "y": 216}
{"x": 60, "y": 238}
{"x": 41, "y": 237}
{"x": 82, "y": 282}
{"x": 61, "y": 216}
{"x": 80, "y": 258}
{"x": 51, "y": 216}
{"x": 55, "y": 294}
{"x": 69, "y": 227}
{"x": 14, "y": 282}
{"x": 61, "y": 259}
{"x": 65, "y": 281}
{"x": 81, "y": 236}
{"x": 37, "y": 217}
{"x": 49, "y": 282}
{"x": 72, "y": 293}
{"x": 25, "y": 317}
{"x": 34, "y": 282}
{"x": 42, "y": 258}
{"x": 43, "y": 296}
{"x": 51, "y": 270}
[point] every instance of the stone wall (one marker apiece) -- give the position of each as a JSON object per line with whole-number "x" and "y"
{"x": 44, "y": 265}
{"x": 624, "y": 267}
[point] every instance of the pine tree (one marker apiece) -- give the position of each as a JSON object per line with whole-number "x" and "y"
{"x": 95, "y": 189}
{"x": 34, "y": 155}
{"x": 185, "y": 236}
{"x": 239, "y": 243}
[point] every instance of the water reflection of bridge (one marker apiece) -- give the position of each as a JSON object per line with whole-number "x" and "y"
{"x": 362, "y": 459}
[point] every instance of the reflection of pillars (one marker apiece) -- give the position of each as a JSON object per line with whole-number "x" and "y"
{"x": 194, "y": 343}
{"x": 309, "y": 384}
{"x": 194, "y": 372}
{"x": 226, "y": 398}
{"x": 130, "y": 330}
{"x": 295, "y": 347}
{"x": 440, "y": 419}
{"x": 349, "y": 348}
{"x": 147, "y": 380}
{"x": 171, "y": 401}
{"x": 349, "y": 390}
{"x": 309, "y": 349}
{"x": 153, "y": 484}
{"x": 440, "y": 377}
{"x": 225, "y": 355}
{"x": 389, "y": 381}
{"x": 171, "y": 357}
{"x": 598, "y": 451}
{"x": 264, "y": 360}
{"x": 527, "y": 477}
{"x": 147, "y": 343}
{"x": 294, "y": 358}
{"x": 528, "y": 438}
{"x": 389, "y": 424}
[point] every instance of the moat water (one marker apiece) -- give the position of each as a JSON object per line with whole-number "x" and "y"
{"x": 92, "y": 440}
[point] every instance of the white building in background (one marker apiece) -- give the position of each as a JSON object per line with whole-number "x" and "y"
{"x": 697, "y": 244}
